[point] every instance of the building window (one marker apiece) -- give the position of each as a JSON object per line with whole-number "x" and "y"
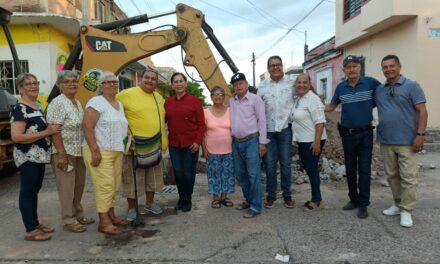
{"x": 100, "y": 11}
{"x": 353, "y": 8}
{"x": 124, "y": 83}
{"x": 8, "y": 76}
{"x": 323, "y": 84}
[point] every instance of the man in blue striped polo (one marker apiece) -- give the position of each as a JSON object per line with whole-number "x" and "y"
{"x": 356, "y": 96}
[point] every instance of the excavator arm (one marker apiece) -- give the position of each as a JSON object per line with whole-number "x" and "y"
{"x": 104, "y": 51}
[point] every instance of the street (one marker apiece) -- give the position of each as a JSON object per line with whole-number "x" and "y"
{"x": 207, "y": 235}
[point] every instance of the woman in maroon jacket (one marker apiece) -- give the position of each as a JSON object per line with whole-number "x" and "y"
{"x": 186, "y": 126}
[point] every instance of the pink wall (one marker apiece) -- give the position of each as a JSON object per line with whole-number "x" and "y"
{"x": 337, "y": 73}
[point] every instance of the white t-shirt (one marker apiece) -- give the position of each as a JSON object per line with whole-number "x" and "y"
{"x": 111, "y": 128}
{"x": 308, "y": 110}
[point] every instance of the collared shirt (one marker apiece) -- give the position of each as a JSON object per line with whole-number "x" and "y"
{"x": 145, "y": 113}
{"x": 278, "y": 101}
{"x": 308, "y": 111}
{"x": 398, "y": 116}
{"x": 62, "y": 111}
{"x": 357, "y": 102}
{"x": 248, "y": 117}
{"x": 186, "y": 121}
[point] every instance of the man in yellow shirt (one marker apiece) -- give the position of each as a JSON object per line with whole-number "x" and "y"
{"x": 145, "y": 112}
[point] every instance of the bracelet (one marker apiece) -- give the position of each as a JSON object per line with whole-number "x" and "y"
{"x": 420, "y": 134}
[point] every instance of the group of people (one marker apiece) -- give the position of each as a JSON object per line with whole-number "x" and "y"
{"x": 235, "y": 136}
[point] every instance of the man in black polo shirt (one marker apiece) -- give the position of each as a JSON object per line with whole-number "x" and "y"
{"x": 356, "y": 96}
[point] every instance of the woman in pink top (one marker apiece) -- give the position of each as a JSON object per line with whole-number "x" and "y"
{"x": 217, "y": 146}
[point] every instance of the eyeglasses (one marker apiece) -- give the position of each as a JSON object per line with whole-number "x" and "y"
{"x": 391, "y": 91}
{"x": 278, "y": 65}
{"x": 217, "y": 94}
{"x": 70, "y": 82}
{"x": 31, "y": 84}
{"x": 111, "y": 82}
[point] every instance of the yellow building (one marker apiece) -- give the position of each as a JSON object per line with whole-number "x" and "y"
{"x": 44, "y": 32}
{"x": 409, "y": 29}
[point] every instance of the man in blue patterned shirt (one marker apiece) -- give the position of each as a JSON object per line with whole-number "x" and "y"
{"x": 356, "y": 96}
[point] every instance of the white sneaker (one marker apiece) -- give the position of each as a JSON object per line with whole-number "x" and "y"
{"x": 392, "y": 210}
{"x": 405, "y": 219}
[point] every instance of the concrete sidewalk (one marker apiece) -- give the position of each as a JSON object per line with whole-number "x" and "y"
{"x": 207, "y": 235}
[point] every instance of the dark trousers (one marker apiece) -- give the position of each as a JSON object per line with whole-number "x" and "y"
{"x": 358, "y": 148}
{"x": 31, "y": 180}
{"x": 310, "y": 163}
{"x": 184, "y": 168}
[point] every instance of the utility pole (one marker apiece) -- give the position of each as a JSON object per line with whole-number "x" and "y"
{"x": 253, "y": 68}
{"x": 85, "y": 13}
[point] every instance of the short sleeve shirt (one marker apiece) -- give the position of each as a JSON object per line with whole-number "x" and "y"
{"x": 357, "y": 102}
{"x": 278, "y": 102}
{"x": 62, "y": 111}
{"x": 38, "y": 151}
{"x": 397, "y": 114}
{"x": 111, "y": 128}
{"x": 142, "y": 111}
{"x": 308, "y": 111}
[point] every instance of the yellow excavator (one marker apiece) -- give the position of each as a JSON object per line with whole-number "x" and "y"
{"x": 103, "y": 50}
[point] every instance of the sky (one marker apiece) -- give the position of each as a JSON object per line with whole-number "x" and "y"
{"x": 267, "y": 28}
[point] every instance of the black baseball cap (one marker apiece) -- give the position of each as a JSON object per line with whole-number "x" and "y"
{"x": 351, "y": 58}
{"x": 238, "y": 77}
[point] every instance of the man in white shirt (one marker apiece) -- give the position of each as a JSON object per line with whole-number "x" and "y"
{"x": 277, "y": 94}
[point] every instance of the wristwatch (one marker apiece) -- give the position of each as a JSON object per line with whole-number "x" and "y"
{"x": 421, "y": 134}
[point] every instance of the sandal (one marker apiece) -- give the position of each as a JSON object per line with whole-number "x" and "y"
{"x": 85, "y": 221}
{"x": 216, "y": 204}
{"x": 75, "y": 228}
{"x": 119, "y": 222}
{"x": 109, "y": 230}
{"x": 227, "y": 202}
{"x": 45, "y": 229}
{"x": 312, "y": 206}
{"x": 37, "y": 235}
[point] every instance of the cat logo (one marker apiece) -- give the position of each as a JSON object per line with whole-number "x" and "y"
{"x": 103, "y": 45}
{"x": 98, "y": 44}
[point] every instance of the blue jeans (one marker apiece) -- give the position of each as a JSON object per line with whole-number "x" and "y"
{"x": 247, "y": 170}
{"x": 31, "y": 180}
{"x": 310, "y": 163}
{"x": 184, "y": 168}
{"x": 358, "y": 148}
{"x": 279, "y": 149}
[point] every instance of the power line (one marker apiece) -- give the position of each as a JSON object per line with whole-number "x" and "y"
{"x": 137, "y": 8}
{"x": 266, "y": 15}
{"x": 290, "y": 30}
{"x": 242, "y": 17}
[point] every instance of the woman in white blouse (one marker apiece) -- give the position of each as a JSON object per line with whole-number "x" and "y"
{"x": 105, "y": 128}
{"x": 308, "y": 127}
